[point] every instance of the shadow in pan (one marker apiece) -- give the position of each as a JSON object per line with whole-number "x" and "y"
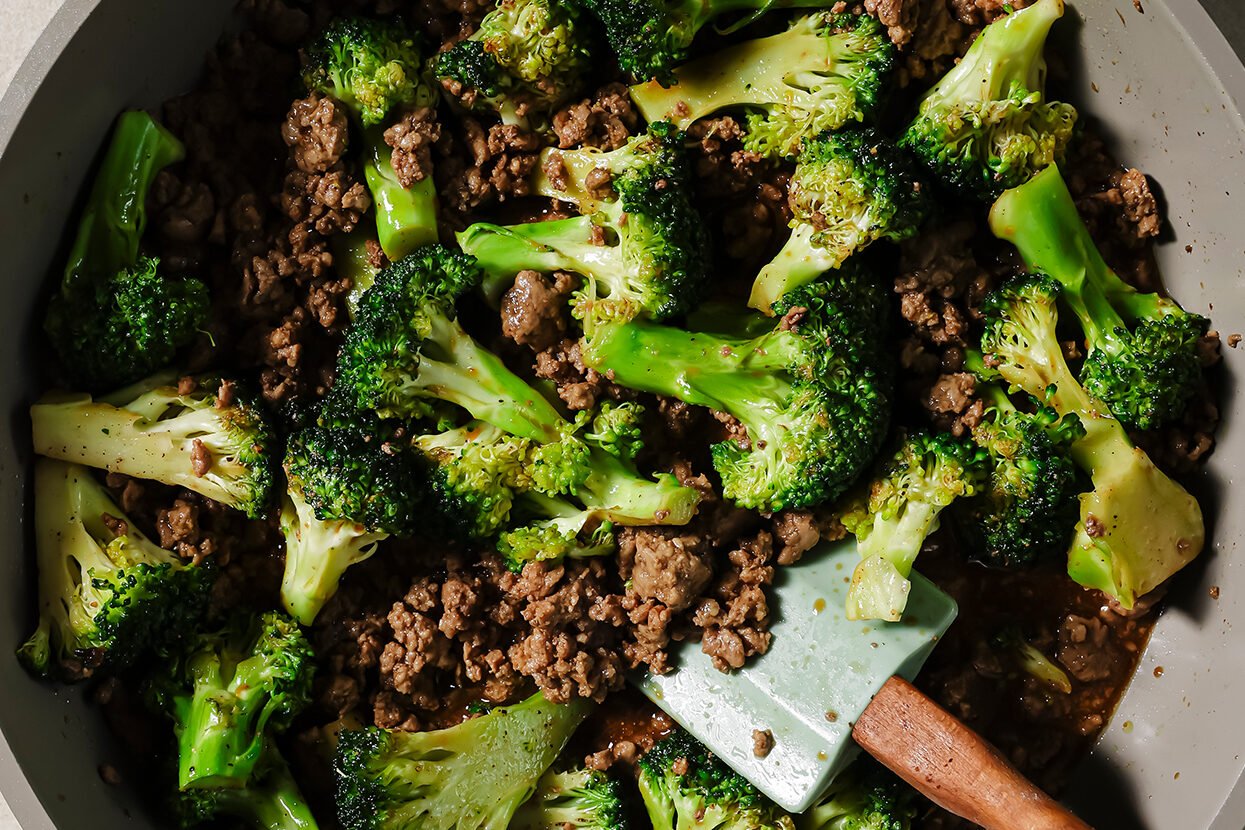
{"x": 1102, "y": 795}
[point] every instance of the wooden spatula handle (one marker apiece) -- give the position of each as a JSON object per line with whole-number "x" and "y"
{"x": 952, "y": 765}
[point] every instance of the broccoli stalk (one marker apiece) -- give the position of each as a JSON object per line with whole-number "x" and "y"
{"x": 373, "y": 68}
{"x": 115, "y": 318}
{"x": 351, "y": 259}
{"x": 684, "y": 786}
{"x": 1012, "y": 643}
{"x": 157, "y": 431}
{"x": 900, "y": 510}
{"x": 650, "y": 37}
{"x": 407, "y": 356}
{"x": 1026, "y": 511}
{"x": 987, "y": 126}
{"x": 865, "y": 796}
{"x": 228, "y": 692}
{"x": 527, "y": 58}
{"x": 1137, "y": 527}
{"x": 826, "y": 71}
{"x": 639, "y": 242}
{"x": 849, "y": 189}
{"x": 1143, "y": 360}
{"x": 349, "y": 489}
{"x": 812, "y": 392}
{"x": 578, "y": 799}
{"x": 107, "y": 594}
{"x": 271, "y": 801}
{"x": 475, "y": 774}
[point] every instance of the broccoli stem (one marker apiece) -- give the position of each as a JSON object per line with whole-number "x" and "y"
{"x": 563, "y": 244}
{"x": 406, "y": 218}
{"x": 613, "y": 490}
{"x": 798, "y": 263}
{"x": 350, "y": 258}
{"x": 880, "y": 583}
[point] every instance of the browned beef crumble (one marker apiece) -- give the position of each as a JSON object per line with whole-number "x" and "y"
{"x": 605, "y": 120}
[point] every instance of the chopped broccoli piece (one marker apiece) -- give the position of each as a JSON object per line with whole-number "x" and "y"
{"x": 578, "y": 799}
{"x": 1027, "y": 509}
{"x": 351, "y": 259}
{"x": 562, "y": 531}
{"x": 107, "y": 594}
{"x": 156, "y": 431}
{"x": 1143, "y": 362}
{"x": 634, "y": 200}
{"x": 350, "y": 487}
{"x": 826, "y": 71}
{"x": 228, "y": 692}
{"x": 616, "y": 429}
{"x": 849, "y": 189}
{"x": 473, "y": 776}
{"x": 116, "y": 318}
{"x": 1137, "y": 527}
{"x": 987, "y": 126}
{"x": 527, "y": 58}
{"x": 271, "y": 800}
{"x": 374, "y": 68}
{"x": 407, "y": 355}
{"x": 1012, "y": 643}
{"x": 901, "y": 508}
{"x": 865, "y": 796}
{"x": 812, "y": 392}
{"x": 684, "y": 786}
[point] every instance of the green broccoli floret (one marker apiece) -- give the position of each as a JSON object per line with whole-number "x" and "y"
{"x": 527, "y": 58}
{"x": 849, "y": 189}
{"x": 639, "y": 242}
{"x": 407, "y": 356}
{"x": 559, "y": 530}
{"x": 1143, "y": 361}
{"x": 865, "y": 796}
{"x": 650, "y": 37}
{"x": 374, "y": 68}
{"x": 616, "y": 429}
{"x": 220, "y": 448}
{"x": 578, "y": 799}
{"x": 107, "y": 593}
{"x": 472, "y": 776}
{"x": 350, "y": 487}
{"x": 900, "y": 509}
{"x": 684, "y": 785}
{"x": 1011, "y": 643}
{"x": 116, "y": 318}
{"x": 813, "y": 391}
{"x": 1026, "y": 510}
{"x": 1137, "y": 527}
{"x": 987, "y": 126}
{"x": 271, "y": 800}
{"x": 228, "y": 692}
{"x": 826, "y": 71}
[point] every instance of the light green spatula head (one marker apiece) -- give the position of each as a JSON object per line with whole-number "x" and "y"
{"x": 820, "y": 673}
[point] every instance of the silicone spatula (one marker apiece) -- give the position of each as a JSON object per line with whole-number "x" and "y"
{"x": 825, "y": 675}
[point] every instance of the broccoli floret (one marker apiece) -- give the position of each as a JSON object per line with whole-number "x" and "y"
{"x": 220, "y": 448}
{"x": 1026, "y": 510}
{"x": 1011, "y": 643}
{"x": 578, "y": 799}
{"x": 527, "y": 58}
{"x": 1143, "y": 361}
{"x": 813, "y": 392}
{"x": 474, "y": 775}
{"x": 684, "y": 785}
{"x": 350, "y": 487}
{"x": 561, "y": 530}
{"x": 987, "y": 126}
{"x": 1137, "y": 527}
{"x": 271, "y": 800}
{"x": 116, "y": 318}
{"x": 634, "y": 200}
{"x": 900, "y": 509}
{"x": 650, "y": 37}
{"x": 374, "y": 68}
{"x": 865, "y": 796}
{"x": 849, "y": 189}
{"x": 107, "y": 594}
{"x": 407, "y": 355}
{"x": 826, "y": 71}
{"x": 616, "y": 429}
{"x": 228, "y": 692}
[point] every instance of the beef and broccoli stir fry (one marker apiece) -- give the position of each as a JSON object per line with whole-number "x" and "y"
{"x": 432, "y": 367}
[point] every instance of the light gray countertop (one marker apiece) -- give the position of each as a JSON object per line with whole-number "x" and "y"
{"x": 21, "y": 22}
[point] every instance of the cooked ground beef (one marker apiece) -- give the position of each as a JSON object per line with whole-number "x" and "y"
{"x": 605, "y": 120}
{"x": 412, "y": 139}
{"x": 534, "y": 310}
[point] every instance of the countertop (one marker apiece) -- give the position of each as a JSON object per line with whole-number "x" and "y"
{"x": 21, "y": 21}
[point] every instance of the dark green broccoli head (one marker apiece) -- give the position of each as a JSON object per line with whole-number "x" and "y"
{"x": 850, "y": 189}
{"x": 371, "y": 66}
{"x": 987, "y": 126}
{"x": 650, "y": 37}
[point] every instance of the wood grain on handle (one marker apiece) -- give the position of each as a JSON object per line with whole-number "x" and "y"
{"x": 952, "y": 765}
